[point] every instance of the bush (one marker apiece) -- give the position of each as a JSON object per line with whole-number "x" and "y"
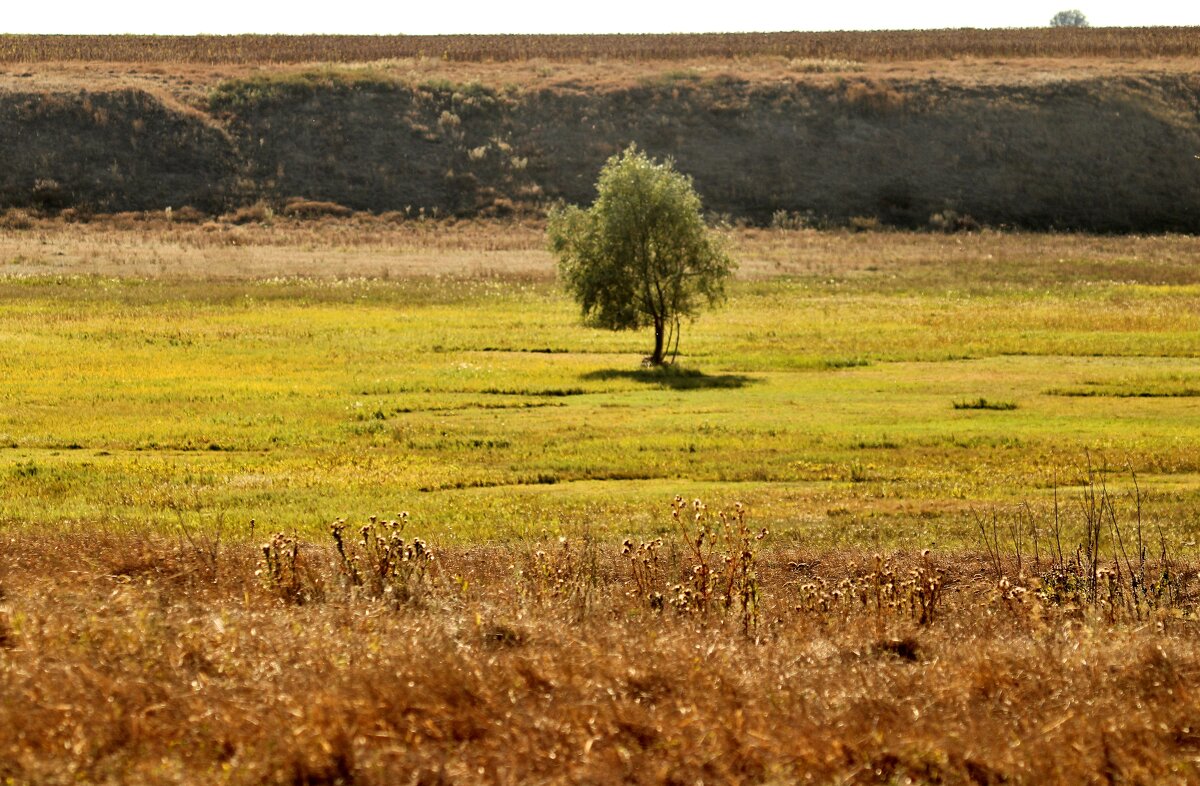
{"x": 251, "y": 214}
{"x": 187, "y": 215}
{"x": 309, "y": 208}
{"x": 863, "y": 223}
{"x": 16, "y": 219}
{"x": 48, "y": 194}
{"x": 786, "y": 219}
{"x": 952, "y": 221}
{"x": 76, "y": 215}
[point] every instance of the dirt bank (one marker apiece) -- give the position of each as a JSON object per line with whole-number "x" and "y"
{"x": 1106, "y": 153}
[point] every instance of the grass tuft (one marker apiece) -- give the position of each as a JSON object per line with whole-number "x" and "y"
{"x": 983, "y": 403}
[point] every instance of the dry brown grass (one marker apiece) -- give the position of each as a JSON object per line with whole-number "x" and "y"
{"x": 183, "y": 84}
{"x": 876, "y": 45}
{"x": 394, "y": 245}
{"x": 389, "y": 245}
{"x": 146, "y": 659}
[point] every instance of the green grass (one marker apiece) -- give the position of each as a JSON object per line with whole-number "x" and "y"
{"x": 485, "y": 410}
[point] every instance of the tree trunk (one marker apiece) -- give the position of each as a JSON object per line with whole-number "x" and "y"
{"x": 659, "y": 329}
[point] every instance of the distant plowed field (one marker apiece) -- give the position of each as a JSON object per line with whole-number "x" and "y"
{"x": 1140, "y": 42}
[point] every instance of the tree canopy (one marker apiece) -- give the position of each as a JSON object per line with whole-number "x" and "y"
{"x": 641, "y": 255}
{"x": 1071, "y": 18}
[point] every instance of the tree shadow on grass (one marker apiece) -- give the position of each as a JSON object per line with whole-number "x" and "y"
{"x": 672, "y": 377}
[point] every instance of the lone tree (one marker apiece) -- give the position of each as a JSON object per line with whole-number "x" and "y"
{"x": 641, "y": 254}
{"x": 1072, "y": 18}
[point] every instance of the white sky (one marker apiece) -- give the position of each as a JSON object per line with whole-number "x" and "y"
{"x": 563, "y": 16}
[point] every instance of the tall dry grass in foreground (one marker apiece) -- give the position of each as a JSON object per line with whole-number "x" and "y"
{"x": 700, "y": 656}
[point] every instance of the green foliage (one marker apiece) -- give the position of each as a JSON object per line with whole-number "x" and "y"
{"x": 640, "y": 255}
{"x": 235, "y": 94}
{"x": 1070, "y": 18}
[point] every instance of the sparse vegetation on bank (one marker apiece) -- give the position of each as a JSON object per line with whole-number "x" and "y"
{"x": 767, "y": 143}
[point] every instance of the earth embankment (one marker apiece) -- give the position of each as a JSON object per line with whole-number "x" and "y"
{"x": 1111, "y": 153}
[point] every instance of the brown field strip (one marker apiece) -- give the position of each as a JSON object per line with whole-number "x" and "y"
{"x": 876, "y": 46}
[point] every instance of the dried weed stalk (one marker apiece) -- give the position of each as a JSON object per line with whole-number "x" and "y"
{"x": 1114, "y": 569}
{"x": 381, "y": 563}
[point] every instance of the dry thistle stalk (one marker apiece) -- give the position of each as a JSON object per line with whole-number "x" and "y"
{"x": 883, "y": 593}
{"x": 382, "y": 563}
{"x": 280, "y": 571}
{"x": 719, "y": 565}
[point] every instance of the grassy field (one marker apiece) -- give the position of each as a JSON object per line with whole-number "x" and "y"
{"x": 837, "y": 403}
{"x": 173, "y": 395}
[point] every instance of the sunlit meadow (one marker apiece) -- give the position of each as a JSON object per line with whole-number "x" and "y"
{"x": 836, "y": 402}
{"x": 359, "y": 505}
